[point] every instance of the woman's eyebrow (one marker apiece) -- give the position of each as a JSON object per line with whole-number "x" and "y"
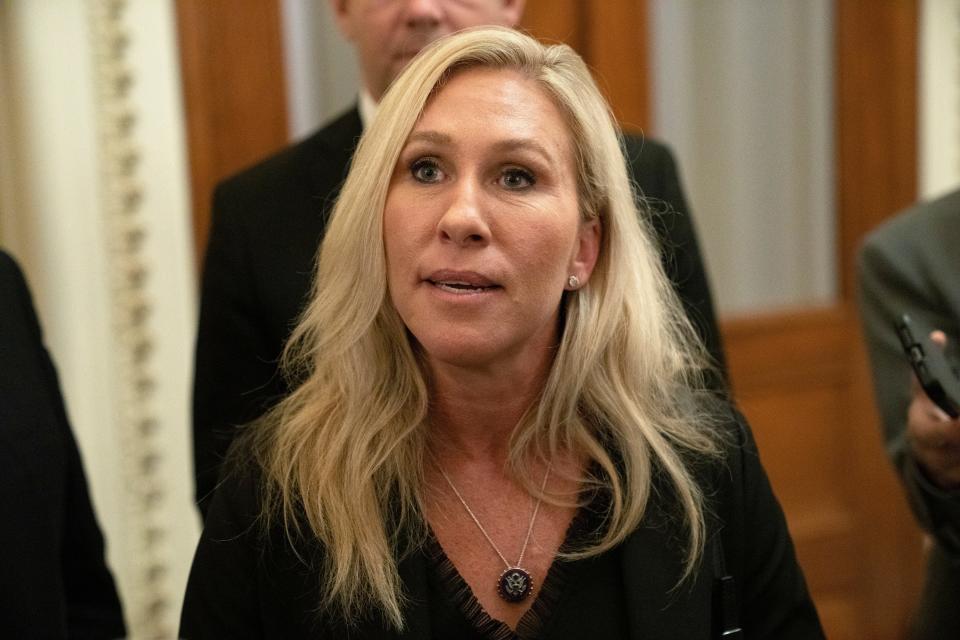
{"x": 434, "y": 137}
{"x": 501, "y": 146}
{"x": 524, "y": 144}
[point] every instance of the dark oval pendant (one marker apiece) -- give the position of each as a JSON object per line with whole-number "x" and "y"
{"x": 514, "y": 584}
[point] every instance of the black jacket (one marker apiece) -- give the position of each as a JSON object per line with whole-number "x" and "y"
{"x": 268, "y": 222}
{"x": 245, "y": 584}
{"x": 54, "y": 582}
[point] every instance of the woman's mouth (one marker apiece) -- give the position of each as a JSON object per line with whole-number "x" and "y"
{"x": 462, "y": 282}
{"x": 462, "y": 287}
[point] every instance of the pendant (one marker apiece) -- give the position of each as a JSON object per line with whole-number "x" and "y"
{"x": 514, "y": 584}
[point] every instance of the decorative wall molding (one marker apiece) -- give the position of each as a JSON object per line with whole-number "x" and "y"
{"x": 147, "y": 602}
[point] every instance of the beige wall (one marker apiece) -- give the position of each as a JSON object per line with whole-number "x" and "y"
{"x": 939, "y": 167}
{"x": 741, "y": 90}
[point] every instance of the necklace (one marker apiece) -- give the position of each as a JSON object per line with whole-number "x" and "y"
{"x": 515, "y": 583}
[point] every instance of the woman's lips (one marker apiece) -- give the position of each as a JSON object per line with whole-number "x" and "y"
{"x": 461, "y": 282}
{"x": 461, "y": 288}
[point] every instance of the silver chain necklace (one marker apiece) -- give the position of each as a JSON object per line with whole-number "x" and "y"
{"x": 515, "y": 583}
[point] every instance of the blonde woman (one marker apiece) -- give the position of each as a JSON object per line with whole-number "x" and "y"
{"x": 499, "y": 427}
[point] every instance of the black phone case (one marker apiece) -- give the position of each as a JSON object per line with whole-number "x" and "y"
{"x": 938, "y": 378}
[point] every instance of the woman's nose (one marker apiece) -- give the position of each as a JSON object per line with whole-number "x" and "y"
{"x": 465, "y": 222}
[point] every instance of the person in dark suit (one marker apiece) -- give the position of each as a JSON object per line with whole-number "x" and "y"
{"x": 54, "y": 582}
{"x": 268, "y": 221}
{"x": 911, "y": 265}
{"x": 500, "y": 428}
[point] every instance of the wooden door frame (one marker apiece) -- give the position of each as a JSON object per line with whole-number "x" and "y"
{"x": 876, "y": 111}
{"x": 234, "y": 93}
{"x": 877, "y": 159}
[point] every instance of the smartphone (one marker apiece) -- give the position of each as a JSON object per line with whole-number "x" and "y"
{"x": 939, "y": 379}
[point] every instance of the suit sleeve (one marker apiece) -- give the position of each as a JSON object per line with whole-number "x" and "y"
{"x": 656, "y": 175}
{"x": 775, "y": 602}
{"x": 90, "y": 596}
{"x": 891, "y": 282}
{"x": 233, "y": 378}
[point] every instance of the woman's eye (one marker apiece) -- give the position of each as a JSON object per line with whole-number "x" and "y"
{"x": 426, "y": 171}
{"x": 517, "y": 179}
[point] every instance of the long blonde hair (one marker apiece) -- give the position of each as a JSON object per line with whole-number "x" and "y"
{"x": 342, "y": 456}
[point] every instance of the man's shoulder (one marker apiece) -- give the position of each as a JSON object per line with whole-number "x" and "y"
{"x": 654, "y": 170}
{"x": 925, "y": 229}
{"x": 13, "y": 287}
{"x": 643, "y": 150}
{"x": 8, "y": 266}
{"x": 327, "y": 150}
{"x": 20, "y": 334}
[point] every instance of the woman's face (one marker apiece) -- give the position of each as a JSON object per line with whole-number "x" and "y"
{"x": 482, "y": 226}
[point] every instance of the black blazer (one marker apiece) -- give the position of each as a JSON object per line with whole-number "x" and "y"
{"x": 247, "y": 585}
{"x": 268, "y": 222}
{"x": 54, "y": 582}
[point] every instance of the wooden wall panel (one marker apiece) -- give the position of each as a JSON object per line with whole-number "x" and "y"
{"x": 790, "y": 386}
{"x": 890, "y": 540}
{"x": 799, "y": 379}
{"x": 231, "y": 60}
{"x": 556, "y": 21}
{"x": 876, "y": 134}
{"x": 876, "y": 111}
{"x": 617, "y": 52}
{"x": 611, "y": 37}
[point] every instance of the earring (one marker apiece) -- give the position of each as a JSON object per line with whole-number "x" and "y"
{"x": 573, "y": 282}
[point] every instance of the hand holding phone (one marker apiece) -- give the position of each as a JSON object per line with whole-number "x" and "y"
{"x": 938, "y": 378}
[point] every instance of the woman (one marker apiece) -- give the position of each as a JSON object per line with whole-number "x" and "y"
{"x": 499, "y": 428}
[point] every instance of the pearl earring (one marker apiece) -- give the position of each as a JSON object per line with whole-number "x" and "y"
{"x": 574, "y": 282}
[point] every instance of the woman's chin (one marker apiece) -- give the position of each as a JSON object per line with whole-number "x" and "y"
{"x": 463, "y": 356}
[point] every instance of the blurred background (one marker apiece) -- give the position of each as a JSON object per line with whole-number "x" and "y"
{"x": 799, "y": 125}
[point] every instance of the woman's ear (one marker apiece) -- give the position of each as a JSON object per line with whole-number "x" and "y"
{"x": 587, "y": 250}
